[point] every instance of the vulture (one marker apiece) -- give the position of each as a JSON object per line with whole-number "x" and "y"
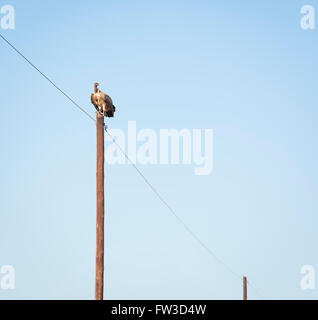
{"x": 102, "y": 102}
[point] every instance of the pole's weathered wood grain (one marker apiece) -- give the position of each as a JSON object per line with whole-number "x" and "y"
{"x": 99, "y": 277}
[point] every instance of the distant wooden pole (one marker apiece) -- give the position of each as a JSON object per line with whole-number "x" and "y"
{"x": 99, "y": 276}
{"x": 244, "y": 288}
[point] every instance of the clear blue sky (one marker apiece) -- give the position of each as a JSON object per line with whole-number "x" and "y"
{"x": 243, "y": 68}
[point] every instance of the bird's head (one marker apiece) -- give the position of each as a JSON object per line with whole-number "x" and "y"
{"x": 96, "y": 84}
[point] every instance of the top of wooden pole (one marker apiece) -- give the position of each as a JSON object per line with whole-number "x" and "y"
{"x": 99, "y": 115}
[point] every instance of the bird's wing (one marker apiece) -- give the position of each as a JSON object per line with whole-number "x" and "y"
{"x": 106, "y": 98}
{"x": 110, "y": 103}
{"x": 109, "y": 99}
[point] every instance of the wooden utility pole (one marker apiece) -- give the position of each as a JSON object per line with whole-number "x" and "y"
{"x": 244, "y": 288}
{"x": 99, "y": 276}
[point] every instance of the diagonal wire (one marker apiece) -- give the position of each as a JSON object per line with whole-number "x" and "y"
{"x": 134, "y": 165}
{"x": 47, "y": 78}
{"x": 179, "y": 219}
{"x": 171, "y": 210}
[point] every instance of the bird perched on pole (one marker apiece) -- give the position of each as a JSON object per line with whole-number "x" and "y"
{"x": 102, "y": 102}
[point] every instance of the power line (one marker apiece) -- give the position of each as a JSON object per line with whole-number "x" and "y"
{"x": 133, "y": 164}
{"x": 178, "y": 218}
{"x": 171, "y": 210}
{"x": 47, "y": 78}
